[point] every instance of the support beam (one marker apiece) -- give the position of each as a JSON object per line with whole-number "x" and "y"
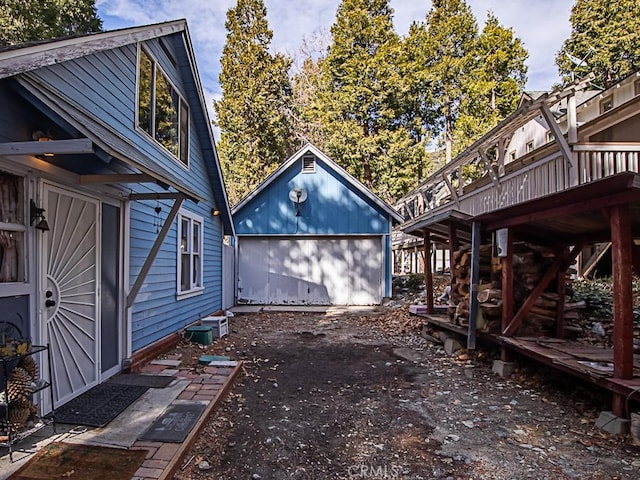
{"x": 501, "y": 154}
{"x": 156, "y": 196}
{"x": 454, "y": 244}
{"x": 52, "y": 147}
{"x": 117, "y": 178}
{"x": 620, "y": 221}
{"x": 454, "y": 194}
{"x": 561, "y": 280}
{"x": 569, "y": 155}
{"x": 489, "y": 168}
{"x": 428, "y": 274}
{"x": 561, "y": 263}
{"x": 133, "y": 293}
{"x": 475, "y": 277}
{"x": 507, "y": 292}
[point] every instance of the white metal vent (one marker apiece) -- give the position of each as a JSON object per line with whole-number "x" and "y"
{"x": 308, "y": 164}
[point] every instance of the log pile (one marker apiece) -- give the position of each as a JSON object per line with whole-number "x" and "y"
{"x": 530, "y": 263}
{"x": 460, "y": 281}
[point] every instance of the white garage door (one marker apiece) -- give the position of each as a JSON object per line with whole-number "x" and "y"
{"x": 310, "y": 271}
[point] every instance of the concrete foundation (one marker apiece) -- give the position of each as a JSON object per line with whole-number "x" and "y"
{"x": 504, "y": 369}
{"x": 451, "y": 346}
{"x": 608, "y": 422}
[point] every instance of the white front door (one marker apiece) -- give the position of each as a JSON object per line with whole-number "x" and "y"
{"x": 69, "y": 290}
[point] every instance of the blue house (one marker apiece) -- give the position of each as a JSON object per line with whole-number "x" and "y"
{"x": 113, "y": 210}
{"x": 311, "y": 234}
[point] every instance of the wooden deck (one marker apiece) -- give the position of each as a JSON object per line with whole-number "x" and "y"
{"x": 588, "y": 363}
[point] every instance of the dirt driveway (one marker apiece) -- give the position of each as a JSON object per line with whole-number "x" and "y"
{"x": 331, "y": 396}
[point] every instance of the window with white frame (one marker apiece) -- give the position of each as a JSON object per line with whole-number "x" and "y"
{"x": 529, "y": 147}
{"x": 190, "y": 255}
{"x": 162, "y": 112}
{"x": 606, "y": 104}
{"x": 12, "y": 229}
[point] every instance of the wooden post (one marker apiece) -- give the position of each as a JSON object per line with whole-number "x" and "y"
{"x": 561, "y": 291}
{"x": 621, "y": 244}
{"x": 475, "y": 277}
{"x": 507, "y": 292}
{"x": 454, "y": 244}
{"x": 428, "y": 278}
{"x": 636, "y": 259}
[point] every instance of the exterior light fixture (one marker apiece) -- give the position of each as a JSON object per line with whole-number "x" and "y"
{"x": 36, "y": 215}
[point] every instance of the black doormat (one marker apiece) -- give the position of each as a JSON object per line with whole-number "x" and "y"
{"x": 174, "y": 424}
{"x": 151, "y": 381}
{"x": 98, "y": 406}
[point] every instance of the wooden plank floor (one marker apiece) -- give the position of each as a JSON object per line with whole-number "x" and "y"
{"x": 588, "y": 362}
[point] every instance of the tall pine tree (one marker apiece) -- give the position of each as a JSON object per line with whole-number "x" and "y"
{"x": 359, "y": 104}
{"x": 25, "y": 21}
{"x": 448, "y": 41}
{"x": 254, "y": 112}
{"x": 605, "y": 40}
{"x": 494, "y": 85}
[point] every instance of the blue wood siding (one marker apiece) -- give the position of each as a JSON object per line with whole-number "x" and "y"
{"x": 156, "y": 312}
{"x": 333, "y": 207}
{"x": 104, "y": 84}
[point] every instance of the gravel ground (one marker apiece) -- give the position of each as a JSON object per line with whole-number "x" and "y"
{"x": 360, "y": 396}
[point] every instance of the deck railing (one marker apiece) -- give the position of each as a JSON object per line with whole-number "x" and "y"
{"x": 600, "y": 160}
{"x": 542, "y": 173}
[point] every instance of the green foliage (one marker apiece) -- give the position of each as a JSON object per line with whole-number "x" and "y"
{"x": 415, "y": 282}
{"x": 605, "y": 39}
{"x": 598, "y": 295}
{"x": 492, "y": 88}
{"x": 254, "y": 111}
{"x": 469, "y": 81}
{"x": 25, "y": 21}
{"x": 361, "y": 99}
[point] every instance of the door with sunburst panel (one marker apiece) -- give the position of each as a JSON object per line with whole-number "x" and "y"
{"x": 69, "y": 294}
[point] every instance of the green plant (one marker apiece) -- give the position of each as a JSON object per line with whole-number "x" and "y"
{"x": 414, "y": 282}
{"x": 597, "y": 294}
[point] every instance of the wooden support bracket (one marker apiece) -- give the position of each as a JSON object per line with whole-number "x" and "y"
{"x": 561, "y": 263}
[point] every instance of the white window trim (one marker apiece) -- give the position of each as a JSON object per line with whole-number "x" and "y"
{"x": 175, "y": 158}
{"x": 192, "y": 217}
{"x": 311, "y": 169}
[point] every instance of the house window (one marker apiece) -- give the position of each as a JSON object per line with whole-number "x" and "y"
{"x": 308, "y": 164}
{"x": 190, "y": 257}
{"x": 606, "y": 104}
{"x": 550, "y": 136}
{"x": 512, "y": 155}
{"x": 162, "y": 112}
{"x": 529, "y": 147}
{"x": 12, "y": 229}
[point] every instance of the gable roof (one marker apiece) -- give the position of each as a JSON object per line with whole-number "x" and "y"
{"x": 309, "y": 148}
{"x": 18, "y": 61}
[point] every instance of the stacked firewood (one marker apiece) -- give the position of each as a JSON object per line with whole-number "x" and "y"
{"x": 530, "y": 263}
{"x": 460, "y": 281}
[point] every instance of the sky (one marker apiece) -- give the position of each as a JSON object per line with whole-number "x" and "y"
{"x": 542, "y": 25}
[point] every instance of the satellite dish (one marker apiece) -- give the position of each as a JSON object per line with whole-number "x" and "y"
{"x": 297, "y": 195}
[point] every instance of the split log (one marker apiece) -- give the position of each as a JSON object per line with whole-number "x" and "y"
{"x": 575, "y": 305}
{"x": 489, "y": 294}
{"x": 491, "y": 310}
{"x": 545, "y": 303}
{"x": 543, "y": 311}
